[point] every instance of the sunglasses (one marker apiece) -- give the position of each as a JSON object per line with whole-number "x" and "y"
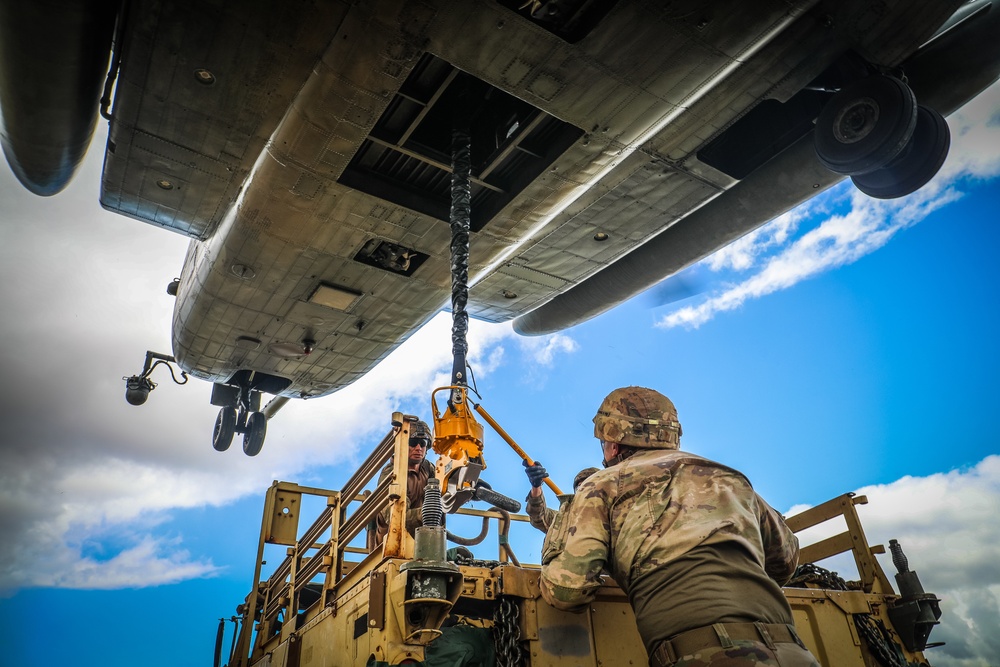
{"x": 419, "y": 442}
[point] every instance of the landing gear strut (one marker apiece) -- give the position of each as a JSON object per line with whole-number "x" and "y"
{"x": 240, "y": 413}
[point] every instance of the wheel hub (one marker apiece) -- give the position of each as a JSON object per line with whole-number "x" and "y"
{"x": 856, "y": 121}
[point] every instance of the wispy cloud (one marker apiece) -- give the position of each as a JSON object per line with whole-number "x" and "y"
{"x": 544, "y": 349}
{"x": 53, "y": 504}
{"x": 150, "y": 562}
{"x": 946, "y": 524}
{"x": 743, "y": 253}
{"x": 787, "y": 251}
{"x": 838, "y": 240}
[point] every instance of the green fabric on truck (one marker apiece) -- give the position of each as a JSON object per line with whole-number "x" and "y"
{"x": 458, "y": 646}
{"x": 461, "y": 646}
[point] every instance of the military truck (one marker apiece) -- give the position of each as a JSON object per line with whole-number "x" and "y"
{"x": 333, "y": 603}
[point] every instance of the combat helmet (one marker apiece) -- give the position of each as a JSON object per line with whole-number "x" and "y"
{"x": 582, "y": 476}
{"x": 638, "y": 417}
{"x": 420, "y": 430}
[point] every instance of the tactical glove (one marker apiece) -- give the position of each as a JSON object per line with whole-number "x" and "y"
{"x": 536, "y": 473}
{"x": 455, "y": 553}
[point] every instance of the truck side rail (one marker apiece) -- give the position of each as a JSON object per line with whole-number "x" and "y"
{"x": 873, "y": 579}
{"x": 273, "y": 606}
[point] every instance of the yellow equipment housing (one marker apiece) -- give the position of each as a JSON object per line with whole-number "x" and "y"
{"x": 458, "y": 441}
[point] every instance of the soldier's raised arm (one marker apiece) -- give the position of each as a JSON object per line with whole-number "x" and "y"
{"x": 576, "y": 549}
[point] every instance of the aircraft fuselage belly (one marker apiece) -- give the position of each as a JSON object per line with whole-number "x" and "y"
{"x": 312, "y": 160}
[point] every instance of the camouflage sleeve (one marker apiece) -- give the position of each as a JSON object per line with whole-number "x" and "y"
{"x": 781, "y": 547}
{"x": 414, "y": 519}
{"x": 541, "y": 516}
{"x": 576, "y": 549}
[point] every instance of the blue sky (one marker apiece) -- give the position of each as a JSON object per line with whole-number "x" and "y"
{"x": 849, "y": 345}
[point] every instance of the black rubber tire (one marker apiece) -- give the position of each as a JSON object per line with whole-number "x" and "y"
{"x": 916, "y": 165}
{"x": 865, "y": 125}
{"x": 225, "y": 427}
{"x": 253, "y": 438}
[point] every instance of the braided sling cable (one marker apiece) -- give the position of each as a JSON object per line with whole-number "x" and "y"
{"x": 461, "y": 211}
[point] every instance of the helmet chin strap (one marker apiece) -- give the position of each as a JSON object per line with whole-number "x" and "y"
{"x": 615, "y": 460}
{"x": 607, "y": 463}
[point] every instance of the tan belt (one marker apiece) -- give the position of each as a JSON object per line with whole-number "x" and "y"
{"x": 722, "y": 635}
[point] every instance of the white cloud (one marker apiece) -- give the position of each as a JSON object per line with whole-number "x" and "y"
{"x": 975, "y": 138}
{"x": 119, "y": 490}
{"x": 947, "y": 526}
{"x": 839, "y": 240}
{"x": 742, "y": 253}
{"x": 543, "y": 349}
{"x": 121, "y": 493}
{"x": 784, "y": 260}
{"x": 151, "y": 562}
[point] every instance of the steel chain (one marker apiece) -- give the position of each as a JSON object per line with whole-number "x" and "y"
{"x": 507, "y": 634}
{"x": 872, "y": 630}
{"x": 476, "y": 562}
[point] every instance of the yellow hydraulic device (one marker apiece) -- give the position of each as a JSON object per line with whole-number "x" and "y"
{"x": 458, "y": 441}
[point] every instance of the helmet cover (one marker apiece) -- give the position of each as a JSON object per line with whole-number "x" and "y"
{"x": 419, "y": 430}
{"x": 638, "y": 417}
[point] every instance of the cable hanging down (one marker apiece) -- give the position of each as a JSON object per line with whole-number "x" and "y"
{"x": 461, "y": 210}
{"x": 458, "y": 437}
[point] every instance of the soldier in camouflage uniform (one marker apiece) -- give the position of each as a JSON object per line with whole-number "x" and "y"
{"x": 417, "y": 474}
{"x": 540, "y": 515}
{"x": 699, "y": 553}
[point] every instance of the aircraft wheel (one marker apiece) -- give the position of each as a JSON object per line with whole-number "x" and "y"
{"x": 917, "y": 164}
{"x": 865, "y": 125}
{"x": 253, "y": 438}
{"x": 225, "y": 426}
